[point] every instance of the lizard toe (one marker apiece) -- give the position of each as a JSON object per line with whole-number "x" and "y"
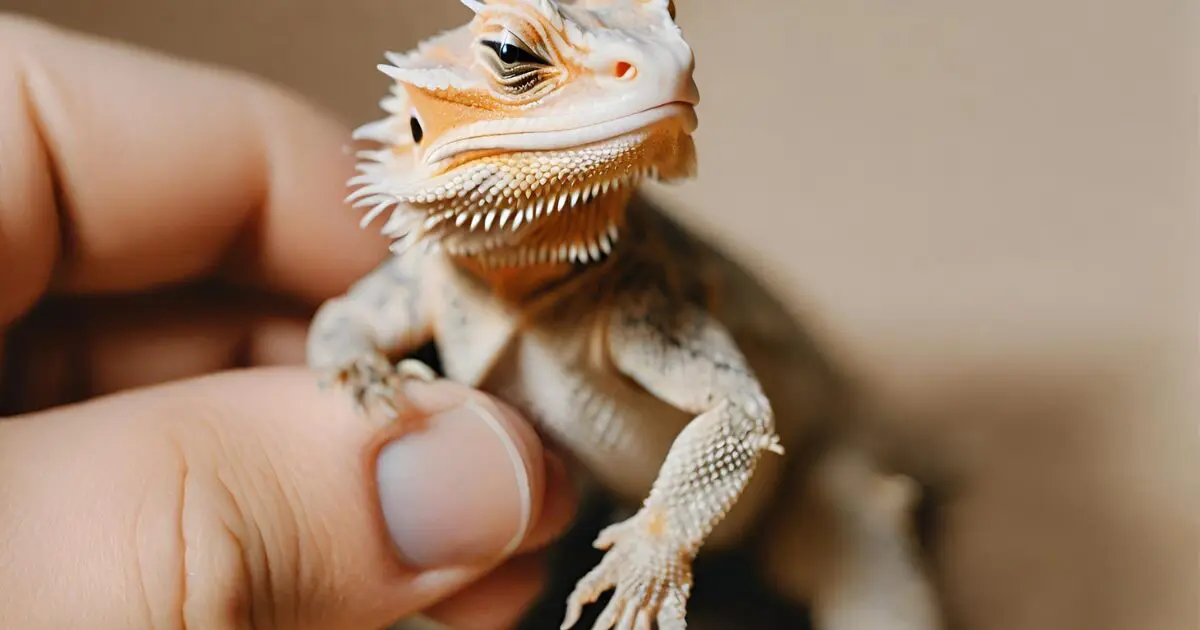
{"x": 375, "y": 384}
{"x": 652, "y": 579}
{"x": 587, "y": 591}
{"x": 416, "y": 370}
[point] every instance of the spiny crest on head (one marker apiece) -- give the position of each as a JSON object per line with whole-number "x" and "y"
{"x": 548, "y": 8}
{"x": 667, "y": 6}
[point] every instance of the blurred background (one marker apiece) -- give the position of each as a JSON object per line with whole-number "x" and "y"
{"x": 988, "y": 210}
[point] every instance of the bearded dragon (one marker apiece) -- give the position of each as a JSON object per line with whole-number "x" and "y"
{"x": 511, "y": 154}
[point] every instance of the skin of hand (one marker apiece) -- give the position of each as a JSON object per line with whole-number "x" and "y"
{"x": 165, "y": 230}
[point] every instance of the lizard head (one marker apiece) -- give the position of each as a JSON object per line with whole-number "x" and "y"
{"x": 518, "y": 139}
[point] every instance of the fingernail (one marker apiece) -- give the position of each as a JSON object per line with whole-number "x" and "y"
{"x": 458, "y": 491}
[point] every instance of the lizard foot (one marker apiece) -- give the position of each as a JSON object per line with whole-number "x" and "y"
{"x": 652, "y": 577}
{"x": 375, "y": 383}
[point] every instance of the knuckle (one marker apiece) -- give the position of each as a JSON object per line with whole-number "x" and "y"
{"x": 29, "y": 227}
{"x": 242, "y": 531}
{"x": 215, "y": 571}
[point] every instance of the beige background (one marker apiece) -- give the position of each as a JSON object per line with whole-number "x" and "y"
{"x": 988, "y": 208}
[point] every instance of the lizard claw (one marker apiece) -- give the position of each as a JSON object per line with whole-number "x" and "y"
{"x": 652, "y": 578}
{"x": 611, "y": 534}
{"x": 375, "y": 383}
{"x": 416, "y": 370}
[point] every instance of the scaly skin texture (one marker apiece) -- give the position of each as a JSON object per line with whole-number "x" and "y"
{"x": 510, "y": 156}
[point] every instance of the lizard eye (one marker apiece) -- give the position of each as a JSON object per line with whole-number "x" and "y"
{"x": 517, "y": 68}
{"x": 417, "y": 132}
{"x": 511, "y": 51}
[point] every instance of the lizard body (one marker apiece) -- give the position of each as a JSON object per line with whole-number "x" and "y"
{"x": 511, "y": 154}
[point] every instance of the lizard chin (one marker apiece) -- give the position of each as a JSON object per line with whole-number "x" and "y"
{"x": 522, "y": 208}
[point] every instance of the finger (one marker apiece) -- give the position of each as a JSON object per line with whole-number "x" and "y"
{"x": 412, "y": 457}
{"x": 72, "y": 352}
{"x": 496, "y": 602}
{"x": 74, "y": 349}
{"x": 4, "y": 369}
{"x": 124, "y": 170}
{"x": 558, "y": 510}
{"x": 81, "y": 349}
{"x": 255, "y": 499}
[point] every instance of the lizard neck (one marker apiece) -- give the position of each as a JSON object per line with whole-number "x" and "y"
{"x": 515, "y": 284}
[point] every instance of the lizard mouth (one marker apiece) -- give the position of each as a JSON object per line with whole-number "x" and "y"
{"x": 562, "y": 133}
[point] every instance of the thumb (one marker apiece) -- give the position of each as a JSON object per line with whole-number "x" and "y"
{"x": 254, "y": 499}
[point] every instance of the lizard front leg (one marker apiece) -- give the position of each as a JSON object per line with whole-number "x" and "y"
{"x": 352, "y": 336}
{"x": 686, "y": 358}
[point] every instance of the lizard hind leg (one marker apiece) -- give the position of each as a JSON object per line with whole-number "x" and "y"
{"x": 846, "y": 545}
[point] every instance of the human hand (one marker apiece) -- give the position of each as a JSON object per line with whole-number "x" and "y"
{"x": 160, "y": 224}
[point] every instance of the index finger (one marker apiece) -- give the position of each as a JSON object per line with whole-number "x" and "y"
{"x": 121, "y": 170}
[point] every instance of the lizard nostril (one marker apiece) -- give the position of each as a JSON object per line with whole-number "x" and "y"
{"x": 624, "y": 70}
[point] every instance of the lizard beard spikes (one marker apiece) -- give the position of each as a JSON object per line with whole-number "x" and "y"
{"x": 517, "y": 209}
